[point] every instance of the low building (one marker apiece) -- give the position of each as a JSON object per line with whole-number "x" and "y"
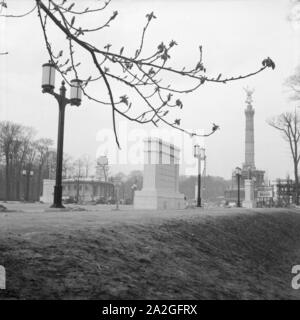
{"x": 80, "y": 190}
{"x": 86, "y": 189}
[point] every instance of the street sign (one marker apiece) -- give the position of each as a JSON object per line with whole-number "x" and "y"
{"x": 265, "y": 194}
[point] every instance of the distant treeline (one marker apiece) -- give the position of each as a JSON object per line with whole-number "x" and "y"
{"x": 24, "y": 162}
{"x": 212, "y": 187}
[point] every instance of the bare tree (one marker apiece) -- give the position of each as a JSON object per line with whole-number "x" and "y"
{"x": 29, "y": 166}
{"x": 86, "y": 161}
{"x": 10, "y": 134}
{"x": 20, "y": 152}
{"x": 68, "y": 167}
{"x": 288, "y": 124}
{"x": 42, "y": 147}
{"x": 102, "y": 169}
{"x": 78, "y": 174}
{"x": 51, "y": 164}
{"x": 24, "y": 144}
{"x": 146, "y": 94}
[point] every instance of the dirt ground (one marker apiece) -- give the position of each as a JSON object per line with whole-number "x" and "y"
{"x": 127, "y": 254}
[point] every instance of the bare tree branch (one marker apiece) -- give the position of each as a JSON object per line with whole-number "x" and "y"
{"x": 141, "y": 75}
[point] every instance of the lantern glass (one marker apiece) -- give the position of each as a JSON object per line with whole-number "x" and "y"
{"x": 202, "y": 153}
{"x": 196, "y": 150}
{"x": 48, "y": 77}
{"x": 76, "y": 92}
{"x": 238, "y": 171}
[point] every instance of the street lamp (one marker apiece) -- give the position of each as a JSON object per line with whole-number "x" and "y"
{"x": 117, "y": 184}
{"x": 133, "y": 188}
{"x": 199, "y": 153}
{"x": 253, "y": 189}
{"x": 238, "y": 174}
{"x": 29, "y": 174}
{"x": 48, "y": 85}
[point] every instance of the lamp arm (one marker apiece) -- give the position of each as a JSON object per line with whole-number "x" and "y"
{"x": 59, "y": 97}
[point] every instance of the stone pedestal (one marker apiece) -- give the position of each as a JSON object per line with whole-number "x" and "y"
{"x": 48, "y": 191}
{"x": 249, "y": 201}
{"x": 161, "y": 177}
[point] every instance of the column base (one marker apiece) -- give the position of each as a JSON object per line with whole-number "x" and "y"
{"x": 249, "y": 204}
{"x": 155, "y": 200}
{"x": 58, "y": 206}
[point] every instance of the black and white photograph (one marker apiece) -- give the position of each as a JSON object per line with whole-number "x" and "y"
{"x": 149, "y": 150}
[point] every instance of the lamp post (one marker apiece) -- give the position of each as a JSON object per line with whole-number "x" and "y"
{"x": 133, "y": 188}
{"x": 199, "y": 153}
{"x": 28, "y": 174}
{"x": 254, "y": 188}
{"x": 238, "y": 173}
{"x": 48, "y": 84}
{"x": 117, "y": 184}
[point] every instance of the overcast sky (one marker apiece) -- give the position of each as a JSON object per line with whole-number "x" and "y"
{"x": 236, "y": 36}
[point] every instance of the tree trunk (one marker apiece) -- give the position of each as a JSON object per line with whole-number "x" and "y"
{"x": 18, "y": 187}
{"x": 18, "y": 182}
{"x": 39, "y": 182}
{"x": 296, "y": 183}
{"x": 7, "y": 180}
{"x": 77, "y": 193}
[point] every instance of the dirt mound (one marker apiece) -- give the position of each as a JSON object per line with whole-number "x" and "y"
{"x": 244, "y": 256}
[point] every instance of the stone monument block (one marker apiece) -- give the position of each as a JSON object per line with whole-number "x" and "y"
{"x": 161, "y": 177}
{"x": 249, "y": 201}
{"x": 48, "y": 191}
